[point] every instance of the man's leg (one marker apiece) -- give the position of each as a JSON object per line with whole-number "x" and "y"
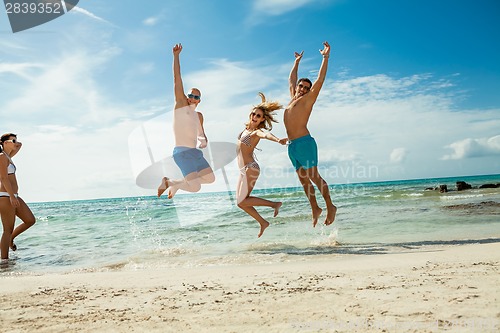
{"x": 188, "y": 160}
{"x": 310, "y": 193}
{"x": 191, "y": 183}
{"x": 206, "y": 176}
{"x": 167, "y": 182}
{"x": 316, "y": 178}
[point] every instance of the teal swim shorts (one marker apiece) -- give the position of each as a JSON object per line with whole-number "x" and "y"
{"x": 303, "y": 152}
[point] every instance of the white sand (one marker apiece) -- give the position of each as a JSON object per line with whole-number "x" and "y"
{"x": 453, "y": 289}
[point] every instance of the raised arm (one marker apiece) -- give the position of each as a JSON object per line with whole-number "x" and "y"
{"x": 180, "y": 98}
{"x": 316, "y": 87}
{"x": 292, "y": 80}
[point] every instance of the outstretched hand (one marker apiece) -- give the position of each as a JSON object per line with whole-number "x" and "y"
{"x": 177, "y": 48}
{"x": 326, "y": 49}
{"x": 298, "y": 56}
{"x": 283, "y": 141}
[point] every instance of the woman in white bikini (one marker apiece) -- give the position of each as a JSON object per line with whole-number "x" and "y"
{"x": 261, "y": 117}
{"x": 11, "y": 205}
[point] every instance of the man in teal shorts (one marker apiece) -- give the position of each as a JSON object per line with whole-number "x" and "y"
{"x": 303, "y": 151}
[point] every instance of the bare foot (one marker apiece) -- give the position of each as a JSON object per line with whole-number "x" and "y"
{"x": 172, "y": 192}
{"x": 330, "y": 216}
{"x": 13, "y": 246}
{"x": 163, "y": 186}
{"x": 316, "y": 213}
{"x": 263, "y": 227}
{"x": 277, "y": 208}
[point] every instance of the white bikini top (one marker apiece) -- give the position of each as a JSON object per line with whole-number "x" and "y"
{"x": 11, "y": 169}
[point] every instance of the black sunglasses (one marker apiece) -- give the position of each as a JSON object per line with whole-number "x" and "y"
{"x": 196, "y": 97}
{"x": 258, "y": 115}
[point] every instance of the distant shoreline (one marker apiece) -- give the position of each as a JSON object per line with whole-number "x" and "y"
{"x": 289, "y": 188}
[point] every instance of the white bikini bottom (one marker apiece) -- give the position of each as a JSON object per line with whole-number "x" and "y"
{"x": 5, "y": 194}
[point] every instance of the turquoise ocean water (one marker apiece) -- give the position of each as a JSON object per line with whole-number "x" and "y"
{"x": 208, "y": 229}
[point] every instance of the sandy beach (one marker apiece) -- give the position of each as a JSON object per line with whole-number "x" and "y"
{"x": 447, "y": 288}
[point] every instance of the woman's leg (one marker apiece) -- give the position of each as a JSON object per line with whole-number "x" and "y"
{"x": 246, "y": 184}
{"x": 256, "y": 201}
{"x": 8, "y": 215}
{"x": 25, "y": 214}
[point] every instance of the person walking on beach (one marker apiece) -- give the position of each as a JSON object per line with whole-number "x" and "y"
{"x": 260, "y": 118}
{"x": 302, "y": 150}
{"x": 11, "y": 204}
{"x": 188, "y": 130}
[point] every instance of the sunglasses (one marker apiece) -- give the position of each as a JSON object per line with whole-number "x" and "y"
{"x": 303, "y": 86}
{"x": 13, "y": 141}
{"x": 196, "y": 97}
{"x": 257, "y": 115}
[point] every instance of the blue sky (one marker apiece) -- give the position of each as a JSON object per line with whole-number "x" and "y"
{"x": 411, "y": 90}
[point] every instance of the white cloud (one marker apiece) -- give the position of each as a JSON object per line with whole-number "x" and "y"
{"x": 365, "y": 117}
{"x": 64, "y": 86}
{"x": 262, "y": 9}
{"x": 398, "y": 155}
{"x": 278, "y": 7}
{"x": 163, "y": 16}
{"x": 12, "y": 49}
{"x": 469, "y": 148}
{"x": 151, "y": 21}
{"x": 168, "y": 15}
{"x": 80, "y": 10}
{"x": 19, "y": 69}
{"x": 81, "y": 164}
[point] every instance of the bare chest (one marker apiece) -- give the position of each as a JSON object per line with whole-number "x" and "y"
{"x": 185, "y": 117}
{"x": 294, "y": 109}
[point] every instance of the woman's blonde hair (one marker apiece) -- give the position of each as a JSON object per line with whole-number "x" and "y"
{"x": 268, "y": 109}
